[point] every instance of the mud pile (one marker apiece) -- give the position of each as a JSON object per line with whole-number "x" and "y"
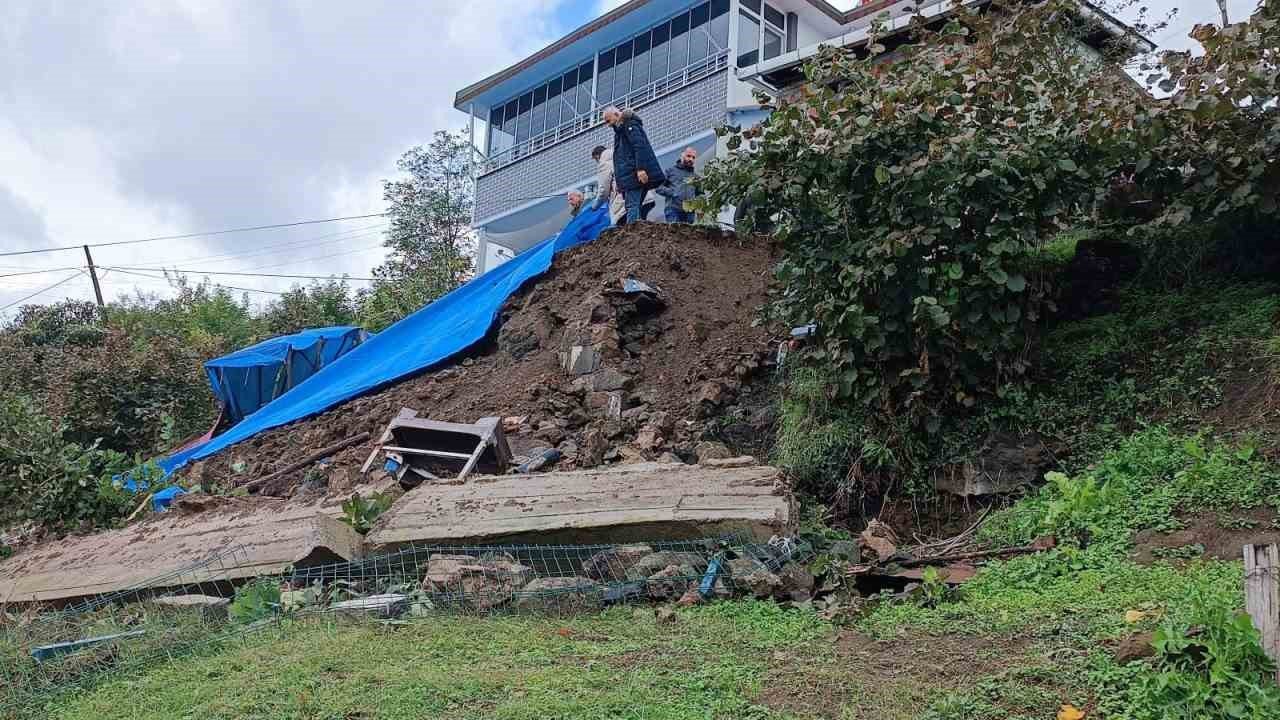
{"x": 580, "y": 364}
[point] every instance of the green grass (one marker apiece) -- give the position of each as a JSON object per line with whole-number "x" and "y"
{"x": 619, "y": 664}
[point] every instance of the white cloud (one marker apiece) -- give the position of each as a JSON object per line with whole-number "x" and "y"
{"x": 154, "y": 117}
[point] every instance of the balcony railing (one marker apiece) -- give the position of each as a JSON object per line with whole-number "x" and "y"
{"x": 662, "y": 86}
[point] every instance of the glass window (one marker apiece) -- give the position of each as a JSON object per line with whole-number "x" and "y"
{"x": 640, "y": 62}
{"x": 772, "y": 43}
{"x": 568, "y": 96}
{"x": 538, "y": 123}
{"x": 498, "y": 140}
{"x": 509, "y": 120}
{"x": 553, "y": 104}
{"x": 774, "y": 16}
{"x": 679, "y": 43}
{"x": 748, "y": 40}
{"x": 522, "y": 124}
{"x": 720, "y": 24}
{"x": 658, "y": 68}
{"x": 752, "y": 5}
{"x": 584, "y": 88}
{"x": 604, "y": 84}
{"x": 622, "y": 72}
{"x": 699, "y": 42}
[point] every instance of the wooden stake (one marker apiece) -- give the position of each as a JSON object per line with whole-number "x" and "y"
{"x": 313, "y": 458}
{"x": 93, "y": 275}
{"x": 1262, "y": 595}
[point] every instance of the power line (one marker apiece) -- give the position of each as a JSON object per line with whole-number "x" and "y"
{"x": 324, "y": 257}
{"x": 228, "y": 287}
{"x": 61, "y": 282}
{"x": 193, "y": 235}
{"x": 351, "y": 233}
{"x": 41, "y": 271}
{"x": 188, "y": 271}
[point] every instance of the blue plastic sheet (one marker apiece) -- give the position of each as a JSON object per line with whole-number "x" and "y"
{"x": 248, "y": 379}
{"x": 428, "y": 337}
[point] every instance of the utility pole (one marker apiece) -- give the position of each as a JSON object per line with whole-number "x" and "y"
{"x": 93, "y": 275}
{"x": 1222, "y": 5}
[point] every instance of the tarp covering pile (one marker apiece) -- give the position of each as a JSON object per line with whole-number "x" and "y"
{"x": 428, "y": 337}
{"x": 248, "y": 379}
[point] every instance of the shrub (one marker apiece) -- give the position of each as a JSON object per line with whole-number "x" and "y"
{"x": 46, "y": 479}
{"x": 913, "y": 197}
{"x": 1210, "y": 667}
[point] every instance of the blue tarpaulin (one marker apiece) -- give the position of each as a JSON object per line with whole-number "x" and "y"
{"x": 248, "y": 379}
{"x": 432, "y": 335}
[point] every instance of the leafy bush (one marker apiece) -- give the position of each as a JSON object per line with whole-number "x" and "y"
{"x": 361, "y": 513}
{"x": 49, "y": 480}
{"x": 1211, "y": 666}
{"x": 255, "y": 601}
{"x": 1143, "y": 484}
{"x": 914, "y": 194}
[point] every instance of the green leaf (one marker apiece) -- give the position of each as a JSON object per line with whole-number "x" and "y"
{"x": 882, "y": 174}
{"x": 1016, "y": 283}
{"x": 1068, "y": 164}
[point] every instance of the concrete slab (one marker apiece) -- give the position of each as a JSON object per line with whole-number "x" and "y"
{"x": 627, "y": 503}
{"x": 261, "y": 537}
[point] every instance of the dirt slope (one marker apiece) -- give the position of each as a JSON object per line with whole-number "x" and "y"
{"x": 692, "y": 368}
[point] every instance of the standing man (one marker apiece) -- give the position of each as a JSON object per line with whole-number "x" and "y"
{"x": 677, "y": 190}
{"x": 635, "y": 167}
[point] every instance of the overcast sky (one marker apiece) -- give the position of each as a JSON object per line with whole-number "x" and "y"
{"x": 125, "y": 119}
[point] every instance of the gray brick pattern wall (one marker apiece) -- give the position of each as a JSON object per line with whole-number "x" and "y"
{"x": 667, "y": 120}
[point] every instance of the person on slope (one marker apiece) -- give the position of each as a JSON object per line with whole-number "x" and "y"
{"x": 575, "y": 200}
{"x": 677, "y": 189}
{"x": 635, "y": 167}
{"x": 606, "y": 188}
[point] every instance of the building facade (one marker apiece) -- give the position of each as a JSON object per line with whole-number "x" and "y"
{"x": 686, "y": 66}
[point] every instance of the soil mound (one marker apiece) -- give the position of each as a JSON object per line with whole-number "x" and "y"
{"x": 580, "y": 364}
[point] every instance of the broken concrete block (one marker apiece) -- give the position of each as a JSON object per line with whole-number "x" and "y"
{"x": 560, "y": 595}
{"x": 613, "y": 564}
{"x": 708, "y": 450}
{"x": 608, "y": 403}
{"x": 659, "y": 561}
{"x": 750, "y": 576}
{"x": 597, "y": 445}
{"x": 382, "y": 606}
{"x": 608, "y": 380}
{"x": 672, "y": 581}
{"x": 740, "y": 461}
{"x": 649, "y": 439}
{"x": 670, "y": 458}
{"x": 796, "y": 583}
{"x": 712, "y": 393}
{"x": 481, "y": 582}
{"x": 581, "y": 360}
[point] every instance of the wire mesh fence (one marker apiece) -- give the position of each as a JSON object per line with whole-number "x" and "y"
{"x": 43, "y": 653}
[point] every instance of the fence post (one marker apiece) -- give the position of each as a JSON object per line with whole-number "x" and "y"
{"x": 1262, "y": 595}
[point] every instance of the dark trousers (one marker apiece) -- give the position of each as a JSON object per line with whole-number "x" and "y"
{"x": 674, "y": 214}
{"x": 635, "y": 201}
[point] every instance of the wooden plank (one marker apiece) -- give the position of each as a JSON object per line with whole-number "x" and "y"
{"x": 430, "y": 453}
{"x": 1262, "y": 595}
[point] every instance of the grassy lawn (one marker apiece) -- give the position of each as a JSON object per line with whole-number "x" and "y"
{"x": 739, "y": 659}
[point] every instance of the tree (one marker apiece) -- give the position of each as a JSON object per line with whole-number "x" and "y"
{"x": 430, "y": 235}
{"x": 322, "y": 304}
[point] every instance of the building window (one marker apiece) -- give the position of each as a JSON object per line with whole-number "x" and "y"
{"x": 661, "y": 38}
{"x": 633, "y": 70}
{"x": 680, "y": 42}
{"x": 622, "y": 72}
{"x": 720, "y": 25}
{"x": 640, "y": 62}
{"x": 772, "y": 15}
{"x": 584, "y": 88}
{"x": 604, "y": 83}
{"x": 748, "y": 40}
{"x": 752, "y": 5}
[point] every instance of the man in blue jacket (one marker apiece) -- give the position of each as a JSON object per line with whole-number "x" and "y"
{"x": 635, "y": 167}
{"x": 678, "y": 191}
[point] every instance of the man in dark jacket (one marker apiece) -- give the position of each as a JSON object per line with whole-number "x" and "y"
{"x": 635, "y": 167}
{"x": 678, "y": 191}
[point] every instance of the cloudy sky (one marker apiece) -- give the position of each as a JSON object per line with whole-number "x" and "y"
{"x": 126, "y": 119}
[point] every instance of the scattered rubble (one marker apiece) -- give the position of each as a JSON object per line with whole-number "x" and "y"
{"x": 581, "y": 364}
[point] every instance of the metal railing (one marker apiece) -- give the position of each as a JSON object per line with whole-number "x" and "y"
{"x": 665, "y": 85}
